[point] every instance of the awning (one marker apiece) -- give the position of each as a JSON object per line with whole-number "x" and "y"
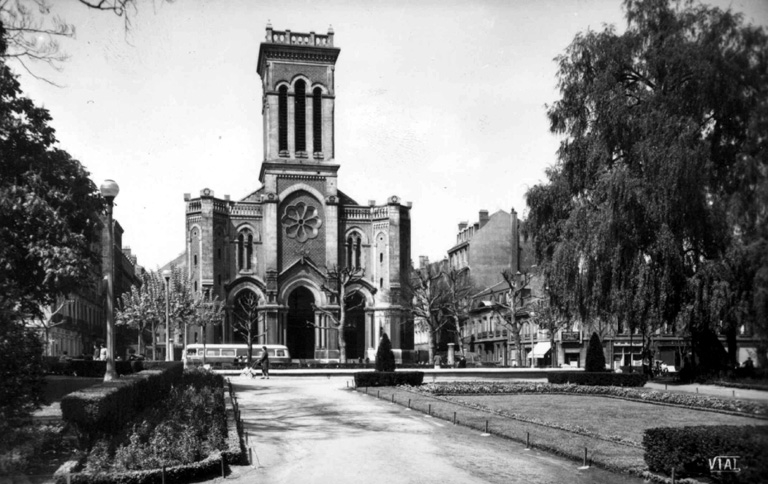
{"x": 539, "y": 350}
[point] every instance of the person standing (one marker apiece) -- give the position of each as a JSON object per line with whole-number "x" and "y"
{"x": 264, "y": 363}
{"x": 438, "y": 361}
{"x": 103, "y": 353}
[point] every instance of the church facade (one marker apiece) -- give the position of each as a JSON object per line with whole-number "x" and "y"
{"x": 287, "y": 244}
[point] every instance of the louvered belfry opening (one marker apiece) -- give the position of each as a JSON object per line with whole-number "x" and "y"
{"x": 300, "y": 117}
{"x": 317, "y": 120}
{"x": 282, "y": 121}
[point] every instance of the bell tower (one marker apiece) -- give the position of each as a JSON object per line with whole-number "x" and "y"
{"x": 297, "y": 74}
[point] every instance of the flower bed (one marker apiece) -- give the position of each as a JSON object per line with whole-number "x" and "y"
{"x": 702, "y": 402}
{"x": 189, "y": 436}
{"x": 598, "y": 378}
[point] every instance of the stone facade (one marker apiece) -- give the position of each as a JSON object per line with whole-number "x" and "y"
{"x": 285, "y": 241}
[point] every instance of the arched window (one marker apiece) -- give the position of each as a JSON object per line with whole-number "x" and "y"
{"x": 300, "y": 117}
{"x": 350, "y": 242}
{"x": 358, "y": 252}
{"x": 249, "y": 252}
{"x": 317, "y": 120}
{"x": 282, "y": 119}
{"x": 245, "y": 250}
{"x": 354, "y": 251}
{"x": 240, "y": 247}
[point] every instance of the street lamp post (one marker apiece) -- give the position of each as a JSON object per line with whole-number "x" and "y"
{"x": 109, "y": 191}
{"x": 168, "y": 342}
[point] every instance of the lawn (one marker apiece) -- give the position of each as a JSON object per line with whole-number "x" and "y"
{"x": 609, "y": 429}
{"x": 600, "y": 415}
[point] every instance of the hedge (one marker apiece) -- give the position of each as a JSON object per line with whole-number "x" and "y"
{"x": 87, "y": 368}
{"x": 388, "y": 379}
{"x": 688, "y": 450}
{"x": 598, "y": 378}
{"x": 103, "y": 409}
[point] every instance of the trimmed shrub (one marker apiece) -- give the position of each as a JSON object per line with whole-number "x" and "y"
{"x": 104, "y": 409}
{"x": 595, "y": 356}
{"x": 598, "y": 378}
{"x": 385, "y": 358}
{"x": 688, "y": 450}
{"x": 388, "y": 379}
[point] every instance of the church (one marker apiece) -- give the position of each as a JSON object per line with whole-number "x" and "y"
{"x": 285, "y": 245}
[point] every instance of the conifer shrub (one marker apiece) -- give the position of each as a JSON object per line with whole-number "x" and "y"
{"x": 385, "y": 358}
{"x": 595, "y": 356}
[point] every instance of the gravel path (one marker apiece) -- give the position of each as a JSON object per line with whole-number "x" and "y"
{"x": 314, "y": 430}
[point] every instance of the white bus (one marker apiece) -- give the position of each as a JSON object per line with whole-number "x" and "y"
{"x": 231, "y": 353}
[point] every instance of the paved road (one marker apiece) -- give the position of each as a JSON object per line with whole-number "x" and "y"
{"x": 314, "y": 430}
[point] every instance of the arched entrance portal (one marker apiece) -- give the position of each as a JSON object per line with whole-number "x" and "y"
{"x": 354, "y": 335}
{"x": 300, "y": 334}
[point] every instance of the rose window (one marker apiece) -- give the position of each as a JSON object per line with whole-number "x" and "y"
{"x": 301, "y": 222}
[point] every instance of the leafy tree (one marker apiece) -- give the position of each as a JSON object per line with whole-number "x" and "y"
{"x": 206, "y": 310}
{"x": 595, "y": 356}
{"x": 340, "y": 287}
{"x": 660, "y": 172}
{"x": 143, "y": 308}
{"x": 385, "y": 358}
{"x": 183, "y": 304}
{"x": 247, "y": 315}
{"x": 20, "y": 371}
{"x": 49, "y": 208}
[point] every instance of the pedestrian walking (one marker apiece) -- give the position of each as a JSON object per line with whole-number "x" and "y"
{"x": 264, "y": 363}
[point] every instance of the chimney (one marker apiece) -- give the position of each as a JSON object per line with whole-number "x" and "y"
{"x": 483, "y": 218}
{"x": 462, "y": 226}
{"x": 127, "y": 252}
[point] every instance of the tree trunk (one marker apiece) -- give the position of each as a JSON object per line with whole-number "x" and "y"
{"x": 552, "y": 348}
{"x": 432, "y": 346}
{"x": 518, "y": 345}
{"x": 342, "y": 345}
{"x": 154, "y": 342}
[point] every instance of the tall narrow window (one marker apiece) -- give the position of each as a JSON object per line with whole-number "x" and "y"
{"x": 300, "y": 117}
{"x": 249, "y": 252}
{"x": 357, "y": 253}
{"x": 317, "y": 120}
{"x": 240, "y": 244}
{"x": 282, "y": 119}
{"x": 350, "y": 244}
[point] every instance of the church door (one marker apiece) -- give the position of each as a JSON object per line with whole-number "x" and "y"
{"x": 354, "y": 335}
{"x": 300, "y": 333}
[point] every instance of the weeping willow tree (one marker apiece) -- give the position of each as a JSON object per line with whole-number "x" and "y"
{"x": 655, "y": 211}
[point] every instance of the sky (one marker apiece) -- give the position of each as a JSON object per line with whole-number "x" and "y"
{"x": 442, "y": 103}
